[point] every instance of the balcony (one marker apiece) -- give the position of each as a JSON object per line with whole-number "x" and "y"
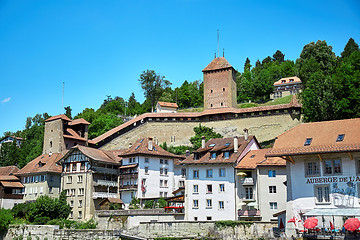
{"x": 248, "y": 181}
{"x": 128, "y": 187}
{"x": 129, "y": 175}
{"x": 104, "y": 195}
{"x": 105, "y": 183}
{"x": 247, "y": 197}
{"x": 249, "y": 213}
{"x": 104, "y": 170}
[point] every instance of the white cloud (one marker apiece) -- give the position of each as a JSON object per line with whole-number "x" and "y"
{"x": 6, "y": 100}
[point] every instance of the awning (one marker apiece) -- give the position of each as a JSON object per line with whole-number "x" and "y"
{"x": 252, "y": 204}
{"x": 334, "y": 212}
{"x": 128, "y": 166}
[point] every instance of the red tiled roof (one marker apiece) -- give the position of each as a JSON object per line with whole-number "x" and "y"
{"x": 12, "y": 184}
{"x": 96, "y": 154}
{"x": 8, "y": 178}
{"x": 217, "y": 63}
{"x": 8, "y": 170}
{"x": 129, "y": 166}
{"x": 323, "y": 135}
{"x": 70, "y": 133}
{"x": 287, "y": 81}
{"x": 18, "y": 138}
{"x": 168, "y": 104}
{"x": 79, "y": 121}
{"x": 194, "y": 115}
{"x": 140, "y": 147}
{"x": 61, "y": 116}
{"x": 47, "y": 164}
{"x": 256, "y": 158}
{"x": 220, "y": 142}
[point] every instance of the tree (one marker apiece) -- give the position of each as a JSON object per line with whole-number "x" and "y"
{"x": 203, "y": 131}
{"x": 350, "y": 47}
{"x": 266, "y": 60}
{"x": 6, "y": 218}
{"x": 68, "y": 111}
{"x": 278, "y": 56}
{"x": 247, "y": 65}
{"x": 134, "y": 107}
{"x": 153, "y": 85}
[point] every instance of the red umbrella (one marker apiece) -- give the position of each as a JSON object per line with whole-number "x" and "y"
{"x": 311, "y": 222}
{"x": 332, "y": 226}
{"x": 352, "y": 224}
{"x": 293, "y": 220}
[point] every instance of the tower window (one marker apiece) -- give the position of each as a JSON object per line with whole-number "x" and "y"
{"x": 211, "y": 90}
{"x": 210, "y": 105}
{"x": 50, "y": 143}
{"x": 222, "y": 104}
{"x": 223, "y": 89}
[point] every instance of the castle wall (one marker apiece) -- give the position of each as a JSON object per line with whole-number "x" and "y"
{"x": 264, "y": 127}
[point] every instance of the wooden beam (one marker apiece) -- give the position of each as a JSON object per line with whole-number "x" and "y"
{"x": 320, "y": 157}
{"x": 291, "y": 160}
{"x": 351, "y": 157}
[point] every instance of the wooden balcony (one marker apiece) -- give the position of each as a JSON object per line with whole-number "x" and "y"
{"x": 104, "y": 170}
{"x": 128, "y": 176}
{"x": 105, "y": 183}
{"x": 11, "y": 196}
{"x": 104, "y": 195}
{"x": 128, "y": 187}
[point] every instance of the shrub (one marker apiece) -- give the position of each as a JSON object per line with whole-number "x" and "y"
{"x": 41, "y": 220}
{"x": 6, "y": 218}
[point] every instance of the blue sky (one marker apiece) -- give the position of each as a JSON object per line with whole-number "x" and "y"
{"x": 100, "y": 48}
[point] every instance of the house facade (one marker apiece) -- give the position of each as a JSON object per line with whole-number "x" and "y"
{"x": 89, "y": 176}
{"x": 11, "y": 189}
{"x": 166, "y": 107}
{"x": 11, "y": 139}
{"x": 286, "y": 86}
{"x": 323, "y": 171}
{"x": 260, "y": 186}
{"x": 147, "y": 172}
{"x": 210, "y": 189}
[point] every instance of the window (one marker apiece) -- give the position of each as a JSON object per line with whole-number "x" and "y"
{"x": 332, "y": 166}
{"x": 222, "y": 187}
{"x": 183, "y": 172}
{"x": 340, "y": 137}
{"x": 213, "y": 155}
{"x": 165, "y": 171}
{"x": 322, "y": 193}
{"x": 165, "y": 194}
{"x": 208, "y": 203}
{"x": 82, "y": 166}
{"x": 146, "y": 160}
{"x": 51, "y": 144}
{"x": 80, "y": 179}
{"x": 208, "y": 218}
{"x": 209, "y": 173}
{"x": 272, "y": 189}
{"x": 166, "y": 161}
{"x": 307, "y": 141}
{"x": 196, "y": 174}
{"x": 69, "y": 179}
{"x": 181, "y": 183}
{"x": 222, "y": 172}
{"x": 71, "y": 214}
{"x": 248, "y": 193}
{"x": 80, "y": 214}
{"x": 72, "y": 192}
{"x": 41, "y": 190}
{"x": 80, "y": 203}
{"x": 161, "y": 171}
{"x": 312, "y": 168}
{"x": 273, "y": 205}
{"x": 161, "y": 183}
{"x": 81, "y": 191}
{"x": 272, "y": 173}
{"x": 223, "y": 89}
{"x": 221, "y": 204}
{"x": 74, "y": 167}
{"x": 50, "y": 190}
{"x": 71, "y": 203}
{"x": 161, "y": 161}
{"x": 195, "y": 188}
{"x": 195, "y": 203}
{"x": 195, "y": 218}
{"x": 209, "y": 188}
{"x": 165, "y": 183}
{"x": 161, "y": 194}
{"x": 226, "y": 155}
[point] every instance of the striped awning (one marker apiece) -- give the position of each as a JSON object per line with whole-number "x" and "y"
{"x": 334, "y": 212}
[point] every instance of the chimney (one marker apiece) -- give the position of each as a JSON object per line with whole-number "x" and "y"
{"x": 246, "y": 134}
{"x": 187, "y": 153}
{"x": 130, "y": 145}
{"x": 150, "y": 144}
{"x": 202, "y": 141}
{"x": 236, "y": 144}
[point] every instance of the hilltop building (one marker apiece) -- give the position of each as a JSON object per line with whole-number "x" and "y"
{"x": 323, "y": 168}
{"x": 210, "y": 187}
{"x": 260, "y": 186}
{"x": 166, "y": 107}
{"x": 11, "y": 189}
{"x": 10, "y": 139}
{"x": 286, "y": 86}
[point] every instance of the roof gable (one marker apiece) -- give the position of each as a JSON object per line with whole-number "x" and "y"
{"x": 216, "y": 64}
{"x": 41, "y": 164}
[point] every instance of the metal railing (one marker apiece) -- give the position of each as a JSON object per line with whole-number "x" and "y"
{"x": 248, "y": 181}
{"x": 106, "y": 183}
{"x": 104, "y": 195}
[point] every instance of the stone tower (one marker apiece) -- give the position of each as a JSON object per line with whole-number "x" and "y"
{"x": 219, "y": 84}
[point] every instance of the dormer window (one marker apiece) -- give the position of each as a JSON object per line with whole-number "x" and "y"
{"x": 252, "y": 156}
{"x": 307, "y": 141}
{"x": 213, "y": 155}
{"x": 340, "y": 137}
{"x": 196, "y": 156}
{"x": 212, "y": 145}
{"x": 283, "y": 81}
{"x": 227, "y": 144}
{"x": 291, "y": 80}
{"x": 226, "y": 155}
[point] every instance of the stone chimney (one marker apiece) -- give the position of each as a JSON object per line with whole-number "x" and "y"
{"x": 236, "y": 144}
{"x": 130, "y": 145}
{"x": 187, "y": 153}
{"x": 246, "y": 134}
{"x": 202, "y": 141}
{"x": 150, "y": 144}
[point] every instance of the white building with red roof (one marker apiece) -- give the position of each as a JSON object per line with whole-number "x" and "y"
{"x": 323, "y": 171}
{"x": 166, "y": 107}
{"x": 286, "y": 86}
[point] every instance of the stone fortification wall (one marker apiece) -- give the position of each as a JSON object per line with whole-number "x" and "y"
{"x": 264, "y": 127}
{"x": 148, "y": 230}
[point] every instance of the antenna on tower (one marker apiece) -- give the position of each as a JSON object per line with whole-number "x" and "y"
{"x": 218, "y": 42}
{"x": 62, "y": 107}
{"x": 223, "y": 52}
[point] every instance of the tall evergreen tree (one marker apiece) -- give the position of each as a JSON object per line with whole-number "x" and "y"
{"x": 350, "y": 47}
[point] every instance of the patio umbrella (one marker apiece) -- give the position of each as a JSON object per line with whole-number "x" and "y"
{"x": 352, "y": 224}
{"x": 310, "y": 222}
{"x": 332, "y": 226}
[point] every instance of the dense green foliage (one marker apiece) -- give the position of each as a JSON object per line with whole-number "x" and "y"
{"x": 230, "y": 223}
{"x": 178, "y": 150}
{"x": 6, "y": 218}
{"x": 200, "y": 131}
